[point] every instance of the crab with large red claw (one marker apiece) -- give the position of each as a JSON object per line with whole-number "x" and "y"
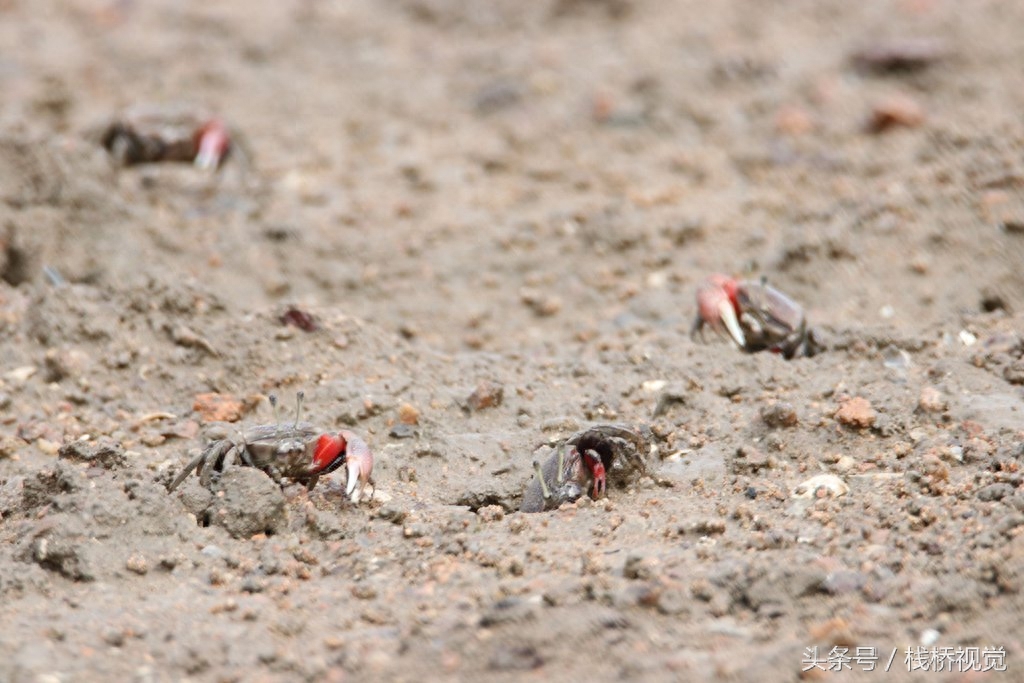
{"x": 754, "y": 315}
{"x": 298, "y": 453}
{"x": 150, "y": 133}
{"x": 585, "y": 461}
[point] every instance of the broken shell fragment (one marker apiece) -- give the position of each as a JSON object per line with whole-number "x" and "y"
{"x": 827, "y": 484}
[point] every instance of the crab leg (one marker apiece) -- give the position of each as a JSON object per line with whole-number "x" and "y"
{"x": 220, "y": 452}
{"x": 243, "y": 454}
{"x": 193, "y": 463}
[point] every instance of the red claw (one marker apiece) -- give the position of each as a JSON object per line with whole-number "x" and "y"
{"x": 594, "y": 463}
{"x": 718, "y": 306}
{"x": 212, "y": 142}
{"x": 599, "y": 480}
{"x": 329, "y": 448}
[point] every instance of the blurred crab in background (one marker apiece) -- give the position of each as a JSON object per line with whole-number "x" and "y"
{"x": 754, "y": 315}
{"x": 585, "y": 462}
{"x": 151, "y": 133}
{"x": 298, "y": 452}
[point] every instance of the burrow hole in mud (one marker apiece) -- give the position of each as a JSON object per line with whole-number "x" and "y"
{"x": 991, "y": 302}
{"x": 485, "y": 501}
{"x": 206, "y": 519}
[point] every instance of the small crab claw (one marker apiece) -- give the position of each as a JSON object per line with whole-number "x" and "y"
{"x": 359, "y": 465}
{"x": 717, "y": 306}
{"x": 592, "y": 459}
{"x": 212, "y": 143}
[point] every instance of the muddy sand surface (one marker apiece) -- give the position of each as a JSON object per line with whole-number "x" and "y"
{"x": 497, "y": 214}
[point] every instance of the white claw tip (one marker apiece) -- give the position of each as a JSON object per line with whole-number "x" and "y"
{"x": 732, "y": 323}
{"x": 352, "y": 484}
{"x": 207, "y": 160}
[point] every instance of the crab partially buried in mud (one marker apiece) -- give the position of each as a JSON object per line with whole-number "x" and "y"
{"x": 754, "y": 315}
{"x": 587, "y": 461}
{"x": 150, "y": 133}
{"x": 298, "y": 452}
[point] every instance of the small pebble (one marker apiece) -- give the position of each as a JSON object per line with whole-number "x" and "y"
{"x": 408, "y": 414}
{"x": 363, "y": 591}
{"x": 543, "y": 305}
{"x": 856, "y": 412}
{"x": 402, "y": 431}
{"x": 296, "y": 317}
{"x": 845, "y": 463}
{"x": 213, "y": 407}
{"x": 491, "y": 513}
{"x": 20, "y": 375}
{"x": 638, "y": 567}
{"x": 136, "y": 563}
{"x": 114, "y": 637}
{"x": 1014, "y": 372}
{"x": 793, "y": 120}
{"x": 517, "y": 525}
{"x": 672, "y": 601}
{"x": 779, "y": 415}
{"x": 486, "y": 395}
{"x": 750, "y": 459}
{"x": 931, "y": 400}
{"x": 895, "y": 111}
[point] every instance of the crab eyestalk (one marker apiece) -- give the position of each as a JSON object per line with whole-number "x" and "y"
{"x": 299, "y": 396}
{"x": 539, "y": 471}
{"x": 277, "y": 412}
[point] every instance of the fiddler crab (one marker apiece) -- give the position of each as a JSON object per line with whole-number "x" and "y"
{"x": 584, "y": 462}
{"x": 177, "y": 133}
{"x": 299, "y": 453}
{"x": 754, "y": 315}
